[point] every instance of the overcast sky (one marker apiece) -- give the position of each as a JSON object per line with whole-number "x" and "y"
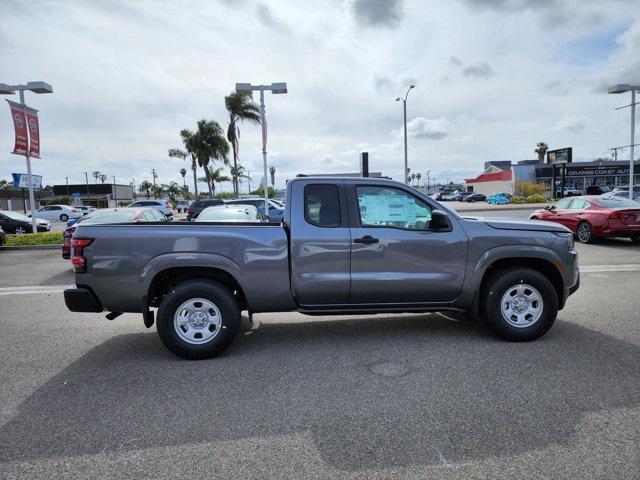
{"x": 492, "y": 78}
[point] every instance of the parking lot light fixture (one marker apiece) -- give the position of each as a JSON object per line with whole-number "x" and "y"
{"x": 276, "y": 88}
{"x": 404, "y": 109}
{"x": 623, "y": 88}
{"x": 35, "y": 87}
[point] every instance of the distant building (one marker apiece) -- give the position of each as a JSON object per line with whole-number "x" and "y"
{"x": 99, "y": 195}
{"x": 492, "y": 180}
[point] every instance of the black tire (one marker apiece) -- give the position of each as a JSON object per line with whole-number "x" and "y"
{"x": 64, "y": 217}
{"x": 585, "y": 233}
{"x": 498, "y": 285}
{"x": 20, "y": 230}
{"x": 635, "y": 239}
{"x": 218, "y": 295}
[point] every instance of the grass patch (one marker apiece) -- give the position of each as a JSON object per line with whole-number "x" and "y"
{"x": 45, "y": 238}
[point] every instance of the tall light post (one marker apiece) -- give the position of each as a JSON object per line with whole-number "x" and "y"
{"x": 276, "y": 88}
{"x": 35, "y": 87}
{"x": 404, "y": 108}
{"x": 622, "y": 88}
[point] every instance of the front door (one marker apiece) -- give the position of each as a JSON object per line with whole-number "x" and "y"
{"x": 395, "y": 256}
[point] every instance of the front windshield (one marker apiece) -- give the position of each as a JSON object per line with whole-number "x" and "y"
{"x": 15, "y": 216}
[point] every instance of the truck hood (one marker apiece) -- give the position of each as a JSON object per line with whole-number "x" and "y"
{"x": 529, "y": 225}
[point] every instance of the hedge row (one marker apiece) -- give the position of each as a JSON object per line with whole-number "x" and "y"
{"x": 533, "y": 198}
{"x": 45, "y": 238}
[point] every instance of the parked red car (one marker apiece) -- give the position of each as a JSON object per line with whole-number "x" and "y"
{"x": 593, "y": 217}
{"x": 111, "y": 215}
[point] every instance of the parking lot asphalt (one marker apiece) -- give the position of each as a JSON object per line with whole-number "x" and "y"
{"x": 384, "y": 396}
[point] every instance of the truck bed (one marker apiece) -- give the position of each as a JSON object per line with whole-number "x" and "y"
{"x": 131, "y": 255}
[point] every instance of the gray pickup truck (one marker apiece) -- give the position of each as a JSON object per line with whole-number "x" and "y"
{"x": 345, "y": 246}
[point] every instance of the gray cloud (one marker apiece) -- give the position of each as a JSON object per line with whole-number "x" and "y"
{"x": 377, "y": 13}
{"x": 453, "y": 60}
{"x": 426, "y": 128}
{"x": 479, "y": 70}
{"x": 572, "y": 123}
{"x": 263, "y": 12}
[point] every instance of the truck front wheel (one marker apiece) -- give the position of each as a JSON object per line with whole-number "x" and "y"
{"x": 519, "y": 305}
{"x": 198, "y": 319}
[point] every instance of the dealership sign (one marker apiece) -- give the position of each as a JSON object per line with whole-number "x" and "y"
{"x": 597, "y": 171}
{"x": 20, "y": 126}
{"x": 21, "y": 180}
{"x": 26, "y": 126}
{"x": 561, "y": 155}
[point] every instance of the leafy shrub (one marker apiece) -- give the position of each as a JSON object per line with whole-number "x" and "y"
{"x": 517, "y": 200}
{"x": 225, "y": 195}
{"x": 45, "y": 238}
{"x": 526, "y": 189}
{"x": 536, "y": 198}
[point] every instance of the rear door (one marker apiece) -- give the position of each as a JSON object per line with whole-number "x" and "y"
{"x": 575, "y": 213}
{"x": 320, "y": 243}
{"x": 395, "y": 257}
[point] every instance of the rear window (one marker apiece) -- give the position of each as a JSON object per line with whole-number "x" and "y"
{"x": 618, "y": 202}
{"x": 108, "y": 217}
{"x": 321, "y": 205}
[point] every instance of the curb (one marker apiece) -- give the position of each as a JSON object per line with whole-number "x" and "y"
{"x": 31, "y": 247}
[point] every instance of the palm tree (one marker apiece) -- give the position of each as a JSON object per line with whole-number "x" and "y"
{"x": 541, "y": 150}
{"x": 413, "y": 177}
{"x": 237, "y": 172}
{"x": 240, "y": 107}
{"x": 418, "y": 177}
{"x": 102, "y": 177}
{"x": 272, "y": 172}
{"x": 145, "y": 187}
{"x": 208, "y": 143}
{"x": 215, "y": 174}
{"x": 172, "y": 190}
{"x": 183, "y": 172}
{"x": 188, "y": 142}
{"x": 96, "y": 175}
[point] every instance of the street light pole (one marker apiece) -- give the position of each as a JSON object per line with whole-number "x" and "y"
{"x": 276, "y": 88}
{"x": 35, "y": 87}
{"x": 404, "y": 110}
{"x": 622, "y": 88}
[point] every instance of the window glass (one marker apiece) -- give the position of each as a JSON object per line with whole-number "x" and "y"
{"x": 579, "y": 204}
{"x": 322, "y": 205}
{"x": 390, "y": 207}
{"x": 564, "y": 203}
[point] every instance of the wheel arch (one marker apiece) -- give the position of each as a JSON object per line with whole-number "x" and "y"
{"x": 166, "y": 279}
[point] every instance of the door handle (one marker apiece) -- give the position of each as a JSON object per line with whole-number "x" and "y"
{"x": 366, "y": 240}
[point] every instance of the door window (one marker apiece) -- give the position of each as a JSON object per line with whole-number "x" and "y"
{"x": 564, "y": 203}
{"x": 391, "y": 207}
{"x": 579, "y": 204}
{"x": 322, "y": 205}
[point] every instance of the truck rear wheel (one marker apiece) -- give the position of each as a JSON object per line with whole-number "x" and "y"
{"x": 198, "y": 319}
{"x": 519, "y": 305}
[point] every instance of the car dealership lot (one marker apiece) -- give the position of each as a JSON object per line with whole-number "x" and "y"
{"x": 397, "y": 396}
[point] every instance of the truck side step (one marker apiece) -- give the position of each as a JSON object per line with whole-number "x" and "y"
{"x": 113, "y": 315}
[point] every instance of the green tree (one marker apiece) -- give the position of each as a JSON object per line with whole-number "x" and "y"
{"x": 96, "y": 175}
{"x": 185, "y": 193}
{"x": 541, "y": 150}
{"x": 240, "y": 107}
{"x": 157, "y": 190}
{"x": 272, "y": 172}
{"x": 418, "y": 177}
{"x": 172, "y": 190}
{"x": 183, "y": 172}
{"x": 145, "y": 187}
{"x": 189, "y": 150}
{"x": 209, "y": 144}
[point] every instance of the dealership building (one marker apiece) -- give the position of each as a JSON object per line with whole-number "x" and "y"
{"x": 502, "y": 176}
{"x": 99, "y": 195}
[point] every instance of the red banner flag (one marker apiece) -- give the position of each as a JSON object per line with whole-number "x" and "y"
{"x": 34, "y": 131}
{"x": 20, "y": 125}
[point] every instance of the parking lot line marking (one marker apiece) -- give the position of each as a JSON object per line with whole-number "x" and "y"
{"x": 629, "y": 267}
{"x": 33, "y": 289}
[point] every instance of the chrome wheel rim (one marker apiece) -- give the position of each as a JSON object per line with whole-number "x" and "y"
{"x": 584, "y": 232}
{"x": 20, "y": 230}
{"x": 521, "y": 306}
{"x": 197, "y": 321}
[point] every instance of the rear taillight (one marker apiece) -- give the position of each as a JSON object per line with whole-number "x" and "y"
{"x": 189, "y": 210}
{"x": 614, "y": 216}
{"x": 77, "y": 250}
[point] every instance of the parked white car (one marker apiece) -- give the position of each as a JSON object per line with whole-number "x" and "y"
{"x": 182, "y": 205}
{"x": 58, "y": 212}
{"x": 161, "y": 205}
{"x": 230, "y": 213}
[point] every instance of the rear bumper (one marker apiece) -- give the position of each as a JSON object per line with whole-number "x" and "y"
{"x": 81, "y": 300}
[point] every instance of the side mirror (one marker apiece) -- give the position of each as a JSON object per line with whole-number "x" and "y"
{"x": 439, "y": 221}
{"x": 547, "y": 208}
